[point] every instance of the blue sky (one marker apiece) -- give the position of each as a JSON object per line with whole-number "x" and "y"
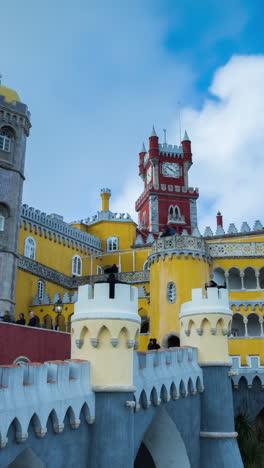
{"x": 97, "y": 74}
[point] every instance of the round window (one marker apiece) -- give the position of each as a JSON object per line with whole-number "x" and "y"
{"x": 171, "y": 292}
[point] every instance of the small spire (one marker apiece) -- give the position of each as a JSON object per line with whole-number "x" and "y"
{"x": 185, "y": 137}
{"x": 153, "y": 131}
{"x": 143, "y": 150}
{"x": 165, "y": 139}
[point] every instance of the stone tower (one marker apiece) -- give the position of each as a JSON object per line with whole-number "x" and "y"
{"x": 206, "y": 324}
{"x": 167, "y": 197}
{"x": 14, "y": 130}
{"x": 105, "y": 330}
{"x": 178, "y": 264}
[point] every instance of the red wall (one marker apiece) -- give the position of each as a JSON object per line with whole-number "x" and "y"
{"x": 36, "y": 344}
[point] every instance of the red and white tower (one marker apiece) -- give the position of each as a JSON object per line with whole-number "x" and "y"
{"x": 167, "y": 197}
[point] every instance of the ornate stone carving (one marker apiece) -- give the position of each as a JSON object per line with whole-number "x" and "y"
{"x": 79, "y": 343}
{"x": 236, "y": 249}
{"x": 42, "y": 271}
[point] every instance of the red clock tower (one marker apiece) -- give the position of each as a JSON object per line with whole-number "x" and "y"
{"x": 167, "y": 197}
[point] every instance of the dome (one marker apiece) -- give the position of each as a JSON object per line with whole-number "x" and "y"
{"x": 9, "y": 94}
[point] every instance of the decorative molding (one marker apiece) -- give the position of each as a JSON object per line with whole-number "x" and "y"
{"x": 94, "y": 342}
{"x": 114, "y": 388}
{"x": 53, "y": 224}
{"x": 218, "y": 435}
{"x": 236, "y": 249}
{"x": 130, "y": 277}
{"x": 46, "y": 273}
{"x": 79, "y": 343}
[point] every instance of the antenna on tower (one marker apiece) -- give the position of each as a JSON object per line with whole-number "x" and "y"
{"x": 164, "y": 130}
{"x": 179, "y": 104}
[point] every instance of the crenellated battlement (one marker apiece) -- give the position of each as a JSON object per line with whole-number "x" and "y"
{"x": 166, "y": 374}
{"x": 41, "y": 390}
{"x": 215, "y": 301}
{"x": 253, "y": 370}
{"x": 206, "y": 323}
{"x": 106, "y": 216}
{"x": 54, "y": 225}
{"x": 171, "y": 150}
{"x": 96, "y": 303}
{"x": 233, "y": 230}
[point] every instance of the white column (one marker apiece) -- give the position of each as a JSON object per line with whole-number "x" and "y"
{"x": 242, "y": 279}
{"x": 245, "y": 320}
{"x": 119, "y": 263}
{"x": 226, "y": 279}
{"x": 156, "y": 174}
{"x": 66, "y": 327}
{"x": 91, "y": 266}
{"x": 257, "y": 278}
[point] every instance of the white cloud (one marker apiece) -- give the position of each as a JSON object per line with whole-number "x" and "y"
{"x": 228, "y": 139}
{"x": 227, "y": 143}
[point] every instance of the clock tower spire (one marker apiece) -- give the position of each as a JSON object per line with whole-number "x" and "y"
{"x": 167, "y": 197}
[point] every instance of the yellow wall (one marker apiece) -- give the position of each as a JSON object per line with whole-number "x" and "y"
{"x": 53, "y": 254}
{"x": 26, "y": 290}
{"x": 186, "y": 274}
{"x": 246, "y": 347}
{"x": 110, "y": 365}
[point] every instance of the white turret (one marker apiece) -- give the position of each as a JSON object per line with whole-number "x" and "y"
{"x": 206, "y": 324}
{"x": 105, "y": 330}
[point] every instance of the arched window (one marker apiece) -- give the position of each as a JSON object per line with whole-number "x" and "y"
{"x": 6, "y": 136}
{"x": 30, "y": 248}
{"x": 2, "y": 223}
{"x": 77, "y": 265}
{"x": 250, "y": 280}
{"x": 112, "y": 244}
{"x": 4, "y": 213}
{"x": 171, "y": 292}
{"x": 234, "y": 279}
{"x": 41, "y": 289}
{"x": 219, "y": 276}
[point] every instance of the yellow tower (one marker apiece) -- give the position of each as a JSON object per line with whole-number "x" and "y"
{"x": 105, "y": 331}
{"x": 178, "y": 264}
{"x": 206, "y": 324}
{"x": 105, "y": 195}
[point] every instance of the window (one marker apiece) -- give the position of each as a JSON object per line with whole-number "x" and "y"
{"x": 41, "y": 289}
{"x": 2, "y": 223}
{"x": 112, "y": 244}
{"x": 5, "y": 143}
{"x": 77, "y": 265}
{"x": 30, "y": 248}
{"x": 171, "y": 292}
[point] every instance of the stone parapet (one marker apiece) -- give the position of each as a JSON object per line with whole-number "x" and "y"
{"x": 236, "y": 249}
{"x": 41, "y": 390}
{"x": 166, "y": 374}
{"x": 50, "y": 224}
{"x": 252, "y": 370}
{"x": 130, "y": 277}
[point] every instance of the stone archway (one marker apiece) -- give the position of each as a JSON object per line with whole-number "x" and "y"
{"x": 162, "y": 445}
{"x": 171, "y": 340}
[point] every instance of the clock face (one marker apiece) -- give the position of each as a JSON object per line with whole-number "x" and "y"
{"x": 171, "y": 170}
{"x": 149, "y": 174}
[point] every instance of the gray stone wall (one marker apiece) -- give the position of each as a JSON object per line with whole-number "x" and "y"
{"x": 15, "y": 116}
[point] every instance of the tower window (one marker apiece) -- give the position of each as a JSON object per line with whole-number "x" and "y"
{"x": 77, "y": 265}
{"x": 112, "y": 244}
{"x": 30, "y": 248}
{"x": 171, "y": 292}
{"x": 2, "y": 223}
{"x": 41, "y": 289}
{"x": 5, "y": 143}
